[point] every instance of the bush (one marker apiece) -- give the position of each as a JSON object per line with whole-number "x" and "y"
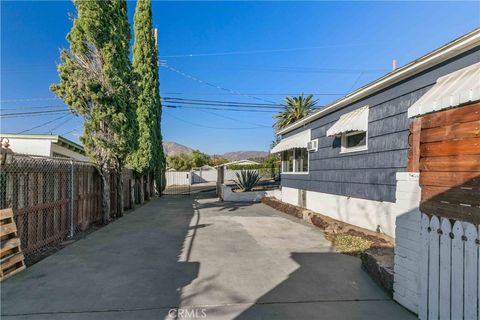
{"x": 247, "y": 179}
{"x": 349, "y": 244}
{"x": 244, "y": 166}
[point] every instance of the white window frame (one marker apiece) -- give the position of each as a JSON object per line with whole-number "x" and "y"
{"x": 345, "y": 149}
{"x": 295, "y": 164}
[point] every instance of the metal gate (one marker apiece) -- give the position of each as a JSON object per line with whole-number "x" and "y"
{"x": 178, "y": 183}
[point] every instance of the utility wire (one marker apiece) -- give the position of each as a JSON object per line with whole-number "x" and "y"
{"x": 221, "y": 102}
{"x": 221, "y": 109}
{"x": 235, "y": 119}
{"x": 26, "y": 108}
{"x": 75, "y": 129}
{"x": 188, "y": 55}
{"x": 15, "y": 114}
{"x": 256, "y": 94}
{"x": 28, "y": 99}
{"x": 40, "y": 114}
{"x": 225, "y": 105}
{"x": 210, "y": 127}
{"x": 44, "y": 124}
{"x": 61, "y": 124}
{"x": 213, "y": 85}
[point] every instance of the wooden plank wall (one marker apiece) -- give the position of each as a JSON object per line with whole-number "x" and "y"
{"x": 445, "y": 149}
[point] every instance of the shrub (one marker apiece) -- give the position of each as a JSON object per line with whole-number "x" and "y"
{"x": 247, "y": 179}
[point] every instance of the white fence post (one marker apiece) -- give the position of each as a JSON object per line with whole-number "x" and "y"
{"x": 471, "y": 276}
{"x": 433, "y": 268}
{"x": 445, "y": 269}
{"x": 457, "y": 271}
{"x": 424, "y": 237}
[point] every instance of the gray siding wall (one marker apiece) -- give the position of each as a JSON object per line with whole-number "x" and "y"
{"x": 370, "y": 174}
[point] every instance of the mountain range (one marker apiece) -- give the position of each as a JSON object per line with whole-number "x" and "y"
{"x": 173, "y": 148}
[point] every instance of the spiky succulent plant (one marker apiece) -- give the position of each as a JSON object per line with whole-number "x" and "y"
{"x": 247, "y": 179}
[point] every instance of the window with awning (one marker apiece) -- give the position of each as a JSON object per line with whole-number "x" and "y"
{"x": 299, "y": 140}
{"x": 352, "y": 127}
{"x": 357, "y": 120}
{"x": 294, "y": 152}
{"x": 454, "y": 89}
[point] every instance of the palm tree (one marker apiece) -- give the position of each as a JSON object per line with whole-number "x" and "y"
{"x": 296, "y": 108}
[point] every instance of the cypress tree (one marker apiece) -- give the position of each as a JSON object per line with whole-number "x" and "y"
{"x": 149, "y": 157}
{"x": 95, "y": 79}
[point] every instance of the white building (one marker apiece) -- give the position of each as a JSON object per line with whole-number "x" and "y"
{"x": 45, "y": 145}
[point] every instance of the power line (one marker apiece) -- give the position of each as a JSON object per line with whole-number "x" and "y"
{"x": 257, "y": 94}
{"x": 28, "y": 99}
{"x": 75, "y": 129}
{"x": 295, "y": 69}
{"x": 31, "y": 107}
{"x": 235, "y": 119}
{"x": 225, "y": 105}
{"x": 221, "y": 109}
{"x": 31, "y": 113}
{"x": 61, "y": 124}
{"x": 222, "y": 101}
{"x": 189, "y": 55}
{"x": 44, "y": 124}
{"x": 210, "y": 127}
{"x": 213, "y": 85}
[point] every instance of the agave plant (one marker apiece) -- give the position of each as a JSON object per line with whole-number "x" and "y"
{"x": 247, "y": 179}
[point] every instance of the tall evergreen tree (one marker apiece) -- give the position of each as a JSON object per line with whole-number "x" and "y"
{"x": 95, "y": 79}
{"x": 149, "y": 157}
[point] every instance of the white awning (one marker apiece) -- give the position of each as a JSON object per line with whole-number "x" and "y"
{"x": 298, "y": 140}
{"x": 452, "y": 90}
{"x": 357, "y": 120}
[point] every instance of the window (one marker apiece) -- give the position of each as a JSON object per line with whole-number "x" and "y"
{"x": 295, "y": 161}
{"x": 354, "y": 141}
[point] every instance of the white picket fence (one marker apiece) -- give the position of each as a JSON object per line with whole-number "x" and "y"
{"x": 449, "y": 270}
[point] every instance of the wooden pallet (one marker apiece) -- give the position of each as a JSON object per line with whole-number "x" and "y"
{"x": 12, "y": 260}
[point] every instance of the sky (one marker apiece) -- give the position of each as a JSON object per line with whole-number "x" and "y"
{"x": 255, "y": 52}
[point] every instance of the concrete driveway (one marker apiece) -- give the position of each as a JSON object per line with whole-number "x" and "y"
{"x": 204, "y": 260}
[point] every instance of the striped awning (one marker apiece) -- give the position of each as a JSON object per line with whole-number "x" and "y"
{"x": 298, "y": 140}
{"x": 454, "y": 89}
{"x": 357, "y": 120}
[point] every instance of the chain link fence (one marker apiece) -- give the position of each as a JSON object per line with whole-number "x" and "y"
{"x": 54, "y": 199}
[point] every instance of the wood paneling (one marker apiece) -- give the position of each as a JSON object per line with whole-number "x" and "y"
{"x": 452, "y": 116}
{"x": 450, "y": 163}
{"x": 414, "y": 154}
{"x": 450, "y": 147}
{"x": 457, "y": 163}
{"x": 469, "y": 196}
{"x": 450, "y": 179}
{"x": 451, "y": 132}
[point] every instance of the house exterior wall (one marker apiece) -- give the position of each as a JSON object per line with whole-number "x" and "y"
{"x": 370, "y": 174}
{"x": 31, "y": 146}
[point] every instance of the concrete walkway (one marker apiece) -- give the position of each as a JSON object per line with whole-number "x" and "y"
{"x": 200, "y": 258}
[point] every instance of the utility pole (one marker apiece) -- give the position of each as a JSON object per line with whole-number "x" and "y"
{"x": 155, "y": 34}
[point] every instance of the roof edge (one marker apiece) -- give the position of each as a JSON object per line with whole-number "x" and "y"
{"x": 53, "y": 138}
{"x": 435, "y": 57}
